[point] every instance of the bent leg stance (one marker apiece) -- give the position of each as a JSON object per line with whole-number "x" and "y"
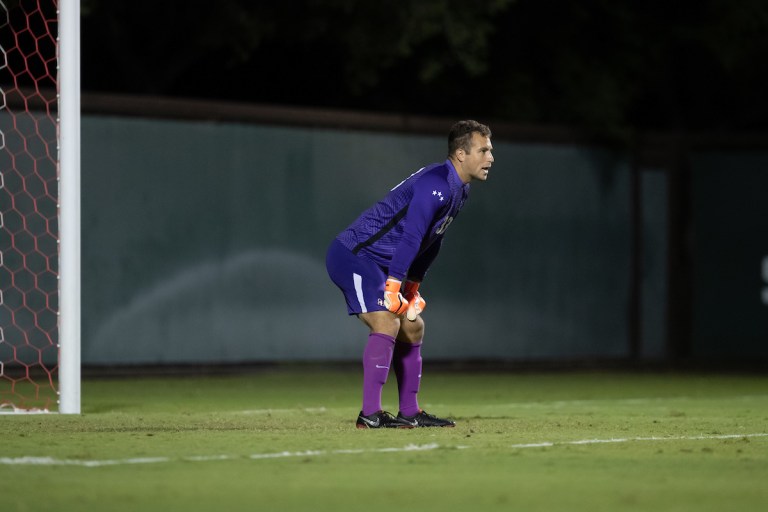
{"x": 392, "y": 342}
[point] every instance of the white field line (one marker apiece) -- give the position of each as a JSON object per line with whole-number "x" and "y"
{"x": 546, "y": 444}
{"x": 50, "y": 461}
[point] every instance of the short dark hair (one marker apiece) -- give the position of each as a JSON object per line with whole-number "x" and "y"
{"x": 460, "y": 136}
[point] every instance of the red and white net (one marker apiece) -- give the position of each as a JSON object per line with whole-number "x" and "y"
{"x": 28, "y": 205}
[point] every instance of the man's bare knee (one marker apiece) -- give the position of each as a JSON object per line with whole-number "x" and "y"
{"x": 382, "y": 322}
{"x": 411, "y": 332}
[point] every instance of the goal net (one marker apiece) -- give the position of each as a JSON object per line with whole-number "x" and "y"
{"x": 31, "y": 194}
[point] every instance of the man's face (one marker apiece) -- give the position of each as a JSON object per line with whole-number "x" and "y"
{"x": 479, "y": 159}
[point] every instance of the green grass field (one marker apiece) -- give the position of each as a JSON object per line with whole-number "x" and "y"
{"x": 285, "y": 440}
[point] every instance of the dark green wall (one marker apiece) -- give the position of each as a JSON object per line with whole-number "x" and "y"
{"x": 730, "y": 244}
{"x": 205, "y": 242}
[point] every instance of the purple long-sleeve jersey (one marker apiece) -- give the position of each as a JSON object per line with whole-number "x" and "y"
{"x": 403, "y": 232}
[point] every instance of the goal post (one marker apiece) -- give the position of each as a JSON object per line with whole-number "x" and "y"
{"x": 69, "y": 206}
{"x": 40, "y": 206}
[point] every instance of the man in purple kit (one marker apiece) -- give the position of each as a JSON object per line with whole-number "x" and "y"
{"x": 379, "y": 261}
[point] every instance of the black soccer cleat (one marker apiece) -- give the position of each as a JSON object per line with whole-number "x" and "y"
{"x": 382, "y": 419}
{"x": 422, "y": 419}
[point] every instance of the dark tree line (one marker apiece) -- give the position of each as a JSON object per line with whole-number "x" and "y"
{"x": 613, "y": 66}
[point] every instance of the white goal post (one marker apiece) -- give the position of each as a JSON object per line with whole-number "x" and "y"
{"x": 69, "y": 206}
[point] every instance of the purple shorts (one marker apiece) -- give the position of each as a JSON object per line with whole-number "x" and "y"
{"x": 359, "y": 279}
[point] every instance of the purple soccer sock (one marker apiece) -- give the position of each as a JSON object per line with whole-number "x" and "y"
{"x": 376, "y": 360}
{"x": 406, "y": 362}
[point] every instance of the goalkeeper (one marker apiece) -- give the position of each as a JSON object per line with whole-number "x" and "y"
{"x": 380, "y": 260}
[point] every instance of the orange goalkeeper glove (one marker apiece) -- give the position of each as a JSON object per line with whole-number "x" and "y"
{"x": 393, "y": 299}
{"x": 416, "y": 303}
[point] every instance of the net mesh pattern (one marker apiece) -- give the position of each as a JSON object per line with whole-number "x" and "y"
{"x": 29, "y": 254}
